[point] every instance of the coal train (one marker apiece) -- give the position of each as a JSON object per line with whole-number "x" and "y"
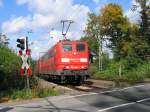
{"x": 65, "y": 62}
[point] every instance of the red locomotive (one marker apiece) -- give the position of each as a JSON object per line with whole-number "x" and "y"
{"x": 67, "y": 61}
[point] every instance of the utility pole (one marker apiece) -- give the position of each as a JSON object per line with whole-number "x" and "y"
{"x": 100, "y": 53}
{"x": 100, "y": 44}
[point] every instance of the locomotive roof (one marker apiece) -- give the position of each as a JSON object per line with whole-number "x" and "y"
{"x": 62, "y": 41}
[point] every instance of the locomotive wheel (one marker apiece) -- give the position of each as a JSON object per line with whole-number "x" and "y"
{"x": 62, "y": 79}
{"x": 80, "y": 80}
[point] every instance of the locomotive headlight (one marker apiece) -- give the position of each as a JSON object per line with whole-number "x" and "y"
{"x": 65, "y": 60}
{"x": 83, "y": 60}
{"x": 67, "y": 67}
{"x": 82, "y": 67}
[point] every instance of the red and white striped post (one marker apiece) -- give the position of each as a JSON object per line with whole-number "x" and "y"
{"x": 25, "y": 54}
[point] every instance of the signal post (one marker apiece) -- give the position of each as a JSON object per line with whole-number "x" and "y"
{"x": 24, "y": 53}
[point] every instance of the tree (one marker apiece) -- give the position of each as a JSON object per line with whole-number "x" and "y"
{"x": 145, "y": 24}
{"x": 116, "y": 26}
{"x": 145, "y": 18}
{"x": 92, "y": 43}
{"x": 4, "y": 40}
{"x": 93, "y": 30}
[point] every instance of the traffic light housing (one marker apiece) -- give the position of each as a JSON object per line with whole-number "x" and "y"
{"x": 21, "y": 44}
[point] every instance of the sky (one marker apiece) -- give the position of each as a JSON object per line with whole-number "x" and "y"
{"x": 42, "y": 19}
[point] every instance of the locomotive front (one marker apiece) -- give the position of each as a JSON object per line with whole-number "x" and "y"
{"x": 72, "y": 60}
{"x": 65, "y": 62}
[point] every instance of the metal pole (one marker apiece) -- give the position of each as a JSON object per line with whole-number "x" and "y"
{"x": 26, "y": 47}
{"x": 100, "y": 55}
{"x": 99, "y": 59}
{"x": 28, "y": 83}
{"x": 120, "y": 71}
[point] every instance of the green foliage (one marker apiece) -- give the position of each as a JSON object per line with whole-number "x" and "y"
{"x": 125, "y": 39}
{"x": 93, "y": 69}
{"x": 12, "y": 85}
{"x": 136, "y": 74}
{"x": 9, "y": 61}
{"x": 116, "y": 26}
{"x": 130, "y": 43}
{"x": 145, "y": 18}
{"x": 26, "y": 94}
{"x": 92, "y": 42}
{"x": 10, "y": 64}
{"x": 105, "y": 61}
{"x": 144, "y": 25}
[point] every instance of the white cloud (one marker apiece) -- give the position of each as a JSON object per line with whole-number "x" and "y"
{"x": 46, "y": 6}
{"x": 15, "y": 25}
{"x": 46, "y": 14}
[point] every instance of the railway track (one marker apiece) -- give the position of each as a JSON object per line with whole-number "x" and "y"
{"x": 91, "y": 86}
{"x": 84, "y": 88}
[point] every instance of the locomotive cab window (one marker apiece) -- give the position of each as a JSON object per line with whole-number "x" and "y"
{"x": 67, "y": 47}
{"x": 80, "y": 47}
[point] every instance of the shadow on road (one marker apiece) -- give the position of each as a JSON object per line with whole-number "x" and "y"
{"x": 50, "y": 107}
{"x": 56, "y": 109}
{"x": 6, "y": 109}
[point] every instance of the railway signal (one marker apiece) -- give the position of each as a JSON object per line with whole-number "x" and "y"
{"x": 24, "y": 53}
{"x": 25, "y": 64}
{"x": 21, "y": 43}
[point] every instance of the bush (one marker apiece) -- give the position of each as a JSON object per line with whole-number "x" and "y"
{"x": 93, "y": 69}
{"x": 10, "y": 64}
{"x": 26, "y": 94}
{"x": 128, "y": 74}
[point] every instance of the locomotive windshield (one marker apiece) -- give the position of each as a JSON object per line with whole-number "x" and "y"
{"x": 80, "y": 47}
{"x": 67, "y": 47}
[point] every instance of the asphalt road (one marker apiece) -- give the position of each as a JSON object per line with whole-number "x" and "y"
{"x": 131, "y": 99}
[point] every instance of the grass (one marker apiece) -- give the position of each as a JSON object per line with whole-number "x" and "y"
{"x": 137, "y": 74}
{"x": 26, "y": 94}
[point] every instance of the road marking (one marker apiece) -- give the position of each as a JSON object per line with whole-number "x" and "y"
{"x": 143, "y": 100}
{"x": 113, "y": 107}
{"x": 122, "y": 105}
{"x": 109, "y": 91}
{"x": 132, "y": 87}
{"x": 109, "y": 108}
{"x": 91, "y": 93}
{"x": 121, "y": 89}
{"x": 67, "y": 97}
{"x": 94, "y": 93}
